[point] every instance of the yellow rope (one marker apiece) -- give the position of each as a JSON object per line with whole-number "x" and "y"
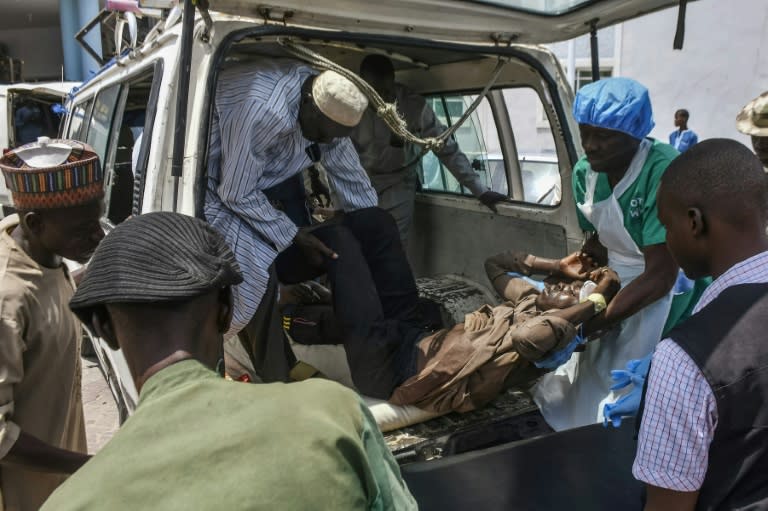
{"x": 388, "y": 111}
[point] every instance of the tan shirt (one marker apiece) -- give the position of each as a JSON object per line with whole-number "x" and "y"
{"x": 39, "y": 367}
{"x": 460, "y": 370}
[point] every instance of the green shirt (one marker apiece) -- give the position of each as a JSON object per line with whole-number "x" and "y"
{"x": 638, "y": 202}
{"x": 641, "y": 215}
{"x": 198, "y": 441}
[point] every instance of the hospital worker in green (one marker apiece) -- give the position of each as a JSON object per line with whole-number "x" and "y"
{"x": 615, "y": 186}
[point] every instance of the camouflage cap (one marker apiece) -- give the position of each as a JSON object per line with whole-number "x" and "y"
{"x": 753, "y": 118}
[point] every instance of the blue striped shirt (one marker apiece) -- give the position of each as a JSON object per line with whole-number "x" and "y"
{"x": 256, "y": 142}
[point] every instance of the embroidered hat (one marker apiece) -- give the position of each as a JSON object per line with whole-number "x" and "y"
{"x": 338, "y": 98}
{"x": 753, "y": 118}
{"x": 50, "y": 174}
{"x": 619, "y": 104}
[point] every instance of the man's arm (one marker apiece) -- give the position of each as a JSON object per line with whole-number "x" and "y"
{"x": 242, "y": 167}
{"x": 393, "y": 493}
{"x": 34, "y": 454}
{"x": 677, "y": 428}
{"x": 348, "y": 177}
{"x": 497, "y": 267}
{"x": 17, "y": 447}
{"x": 654, "y": 283}
{"x": 661, "y": 499}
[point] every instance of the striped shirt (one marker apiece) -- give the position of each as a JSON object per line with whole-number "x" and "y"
{"x": 256, "y": 143}
{"x": 680, "y": 413}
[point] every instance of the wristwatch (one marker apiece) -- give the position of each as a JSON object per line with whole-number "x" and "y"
{"x": 598, "y": 300}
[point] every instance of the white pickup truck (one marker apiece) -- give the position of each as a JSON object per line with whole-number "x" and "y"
{"x": 151, "y": 129}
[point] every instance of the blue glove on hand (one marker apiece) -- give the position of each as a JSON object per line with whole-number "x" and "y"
{"x": 559, "y": 358}
{"x": 628, "y": 404}
{"x": 635, "y": 372}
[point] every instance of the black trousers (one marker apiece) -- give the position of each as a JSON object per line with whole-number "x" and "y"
{"x": 375, "y": 298}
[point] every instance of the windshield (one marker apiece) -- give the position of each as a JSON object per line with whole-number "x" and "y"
{"x": 549, "y": 7}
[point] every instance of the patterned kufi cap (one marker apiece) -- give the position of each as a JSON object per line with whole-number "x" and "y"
{"x": 50, "y": 174}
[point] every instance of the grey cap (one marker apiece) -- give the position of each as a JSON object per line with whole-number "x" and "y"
{"x": 156, "y": 257}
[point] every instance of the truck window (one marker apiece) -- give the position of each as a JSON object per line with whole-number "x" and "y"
{"x": 100, "y": 125}
{"x": 78, "y": 126}
{"x": 535, "y": 145}
{"x": 129, "y": 147}
{"x": 477, "y": 138}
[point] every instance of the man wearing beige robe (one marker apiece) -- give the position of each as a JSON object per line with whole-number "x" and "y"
{"x": 57, "y": 189}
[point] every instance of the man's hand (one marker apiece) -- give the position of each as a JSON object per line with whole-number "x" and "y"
{"x": 574, "y": 267}
{"x": 489, "y": 199}
{"x": 608, "y": 282}
{"x": 593, "y": 252}
{"x": 315, "y": 250}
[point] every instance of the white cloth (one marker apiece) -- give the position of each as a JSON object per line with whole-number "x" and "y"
{"x": 574, "y": 395}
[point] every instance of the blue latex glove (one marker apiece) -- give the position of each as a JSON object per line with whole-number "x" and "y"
{"x": 539, "y": 285}
{"x": 559, "y": 358}
{"x": 628, "y": 404}
{"x": 58, "y": 109}
{"x": 635, "y": 372}
{"x": 683, "y": 284}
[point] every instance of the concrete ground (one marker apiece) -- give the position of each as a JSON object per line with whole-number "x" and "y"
{"x": 101, "y": 419}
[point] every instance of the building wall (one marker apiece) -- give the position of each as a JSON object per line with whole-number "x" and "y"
{"x": 723, "y": 65}
{"x": 39, "y": 48}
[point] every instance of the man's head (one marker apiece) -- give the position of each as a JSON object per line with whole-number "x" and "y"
{"x": 160, "y": 284}
{"x": 559, "y": 295}
{"x": 57, "y": 188}
{"x": 331, "y": 106}
{"x": 681, "y": 118}
{"x": 379, "y": 72}
{"x": 614, "y": 115}
{"x": 753, "y": 121}
{"x": 712, "y": 200}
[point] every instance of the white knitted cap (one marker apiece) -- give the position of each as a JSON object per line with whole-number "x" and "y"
{"x": 338, "y": 98}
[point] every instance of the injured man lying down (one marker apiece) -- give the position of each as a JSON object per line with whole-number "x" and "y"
{"x": 534, "y": 330}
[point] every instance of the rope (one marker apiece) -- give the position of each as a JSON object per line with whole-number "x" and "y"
{"x": 388, "y": 111}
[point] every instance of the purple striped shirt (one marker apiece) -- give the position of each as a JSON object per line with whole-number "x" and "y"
{"x": 680, "y": 413}
{"x": 256, "y": 143}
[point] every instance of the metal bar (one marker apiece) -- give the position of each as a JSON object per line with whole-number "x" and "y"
{"x": 80, "y": 36}
{"x": 593, "y": 46}
{"x": 677, "y": 44}
{"x": 182, "y": 98}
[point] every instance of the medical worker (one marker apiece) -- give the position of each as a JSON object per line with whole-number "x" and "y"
{"x": 615, "y": 186}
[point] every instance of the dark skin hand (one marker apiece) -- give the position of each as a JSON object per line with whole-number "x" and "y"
{"x": 33, "y": 454}
{"x": 490, "y": 198}
{"x": 661, "y": 499}
{"x": 654, "y": 283}
{"x": 571, "y": 267}
{"x": 315, "y": 250}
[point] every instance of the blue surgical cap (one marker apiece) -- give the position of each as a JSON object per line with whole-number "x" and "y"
{"x": 620, "y": 104}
